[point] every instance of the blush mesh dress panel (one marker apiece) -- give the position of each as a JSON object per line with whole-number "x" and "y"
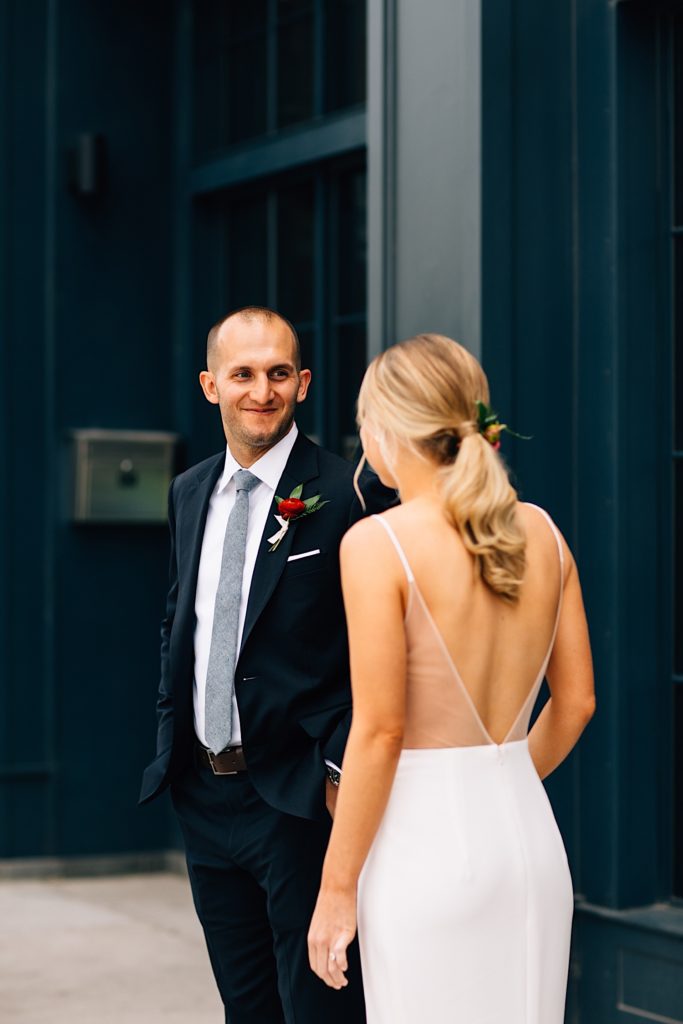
{"x": 465, "y": 901}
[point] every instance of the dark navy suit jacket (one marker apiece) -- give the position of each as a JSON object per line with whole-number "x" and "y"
{"x": 292, "y": 674}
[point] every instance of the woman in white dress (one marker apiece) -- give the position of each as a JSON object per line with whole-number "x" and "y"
{"x": 459, "y": 602}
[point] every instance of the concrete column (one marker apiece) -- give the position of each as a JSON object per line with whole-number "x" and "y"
{"x": 424, "y": 170}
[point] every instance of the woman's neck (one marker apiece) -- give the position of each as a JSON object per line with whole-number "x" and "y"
{"x": 417, "y": 478}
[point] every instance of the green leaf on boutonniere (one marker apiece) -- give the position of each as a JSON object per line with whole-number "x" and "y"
{"x": 291, "y": 509}
{"x": 314, "y": 508}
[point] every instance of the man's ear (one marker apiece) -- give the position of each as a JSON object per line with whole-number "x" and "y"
{"x": 304, "y": 383}
{"x": 208, "y": 384}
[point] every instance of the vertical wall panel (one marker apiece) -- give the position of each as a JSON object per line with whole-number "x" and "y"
{"x": 27, "y": 681}
{"x": 5, "y": 289}
{"x": 643, "y": 379}
{"x": 114, "y": 338}
{"x": 573, "y": 288}
{"x": 425, "y": 169}
{"x": 438, "y": 175}
{"x": 528, "y": 315}
{"x": 85, "y": 317}
{"x": 597, "y": 409}
{"x": 381, "y": 118}
{"x": 498, "y": 178}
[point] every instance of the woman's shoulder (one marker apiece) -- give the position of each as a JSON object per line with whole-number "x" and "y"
{"x": 543, "y": 532}
{"x": 412, "y": 527}
{"x": 362, "y": 536}
{"x": 372, "y": 539}
{"x": 416, "y": 522}
{"x": 537, "y": 520}
{"x": 371, "y": 556}
{"x": 401, "y": 518}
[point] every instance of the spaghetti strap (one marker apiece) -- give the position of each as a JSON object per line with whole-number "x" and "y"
{"x": 526, "y": 708}
{"x": 399, "y": 550}
{"x": 556, "y": 532}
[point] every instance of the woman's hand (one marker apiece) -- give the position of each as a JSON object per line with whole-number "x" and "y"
{"x": 373, "y": 583}
{"x": 333, "y": 927}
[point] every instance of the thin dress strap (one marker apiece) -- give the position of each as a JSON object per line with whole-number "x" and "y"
{"x": 556, "y": 532}
{"x": 527, "y": 706}
{"x": 399, "y": 550}
{"x": 558, "y": 539}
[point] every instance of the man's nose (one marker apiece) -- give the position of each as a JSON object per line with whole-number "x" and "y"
{"x": 262, "y": 390}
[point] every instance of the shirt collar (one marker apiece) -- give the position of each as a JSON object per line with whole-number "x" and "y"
{"x": 269, "y": 468}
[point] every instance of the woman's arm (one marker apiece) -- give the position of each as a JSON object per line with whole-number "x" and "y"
{"x": 570, "y": 678}
{"x": 374, "y": 598}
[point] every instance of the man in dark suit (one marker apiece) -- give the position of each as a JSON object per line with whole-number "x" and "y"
{"x": 254, "y": 704}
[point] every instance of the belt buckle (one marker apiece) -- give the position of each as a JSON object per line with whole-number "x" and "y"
{"x": 215, "y": 770}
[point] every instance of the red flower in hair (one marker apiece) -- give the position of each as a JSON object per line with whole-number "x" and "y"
{"x": 490, "y": 426}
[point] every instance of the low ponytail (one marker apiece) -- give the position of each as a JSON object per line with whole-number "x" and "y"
{"x": 482, "y": 504}
{"x": 426, "y": 393}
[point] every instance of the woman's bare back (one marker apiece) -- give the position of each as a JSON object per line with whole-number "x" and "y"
{"x": 474, "y": 662}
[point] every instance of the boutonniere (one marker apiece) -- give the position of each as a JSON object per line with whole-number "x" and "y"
{"x": 291, "y": 508}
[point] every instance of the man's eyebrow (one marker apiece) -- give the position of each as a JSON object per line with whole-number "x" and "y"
{"x": 269, "y": 369}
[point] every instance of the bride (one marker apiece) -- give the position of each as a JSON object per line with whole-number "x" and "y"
{"x": 459, "y": 602}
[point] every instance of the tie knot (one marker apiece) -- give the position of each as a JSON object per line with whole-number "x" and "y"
{"x": 245, "y": 481}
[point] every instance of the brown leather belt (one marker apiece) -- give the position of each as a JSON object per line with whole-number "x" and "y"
{"x": 229, "y": 762}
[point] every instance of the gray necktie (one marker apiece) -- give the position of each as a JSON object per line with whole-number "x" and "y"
{"x": 220, "y": 675}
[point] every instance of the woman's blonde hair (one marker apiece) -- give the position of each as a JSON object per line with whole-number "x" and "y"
{"x": 422, "y": 394}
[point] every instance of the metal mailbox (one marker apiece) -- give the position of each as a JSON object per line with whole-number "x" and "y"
{"x": 121, "y": 476}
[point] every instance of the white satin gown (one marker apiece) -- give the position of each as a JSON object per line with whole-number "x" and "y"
{"x": 465, "y": 901}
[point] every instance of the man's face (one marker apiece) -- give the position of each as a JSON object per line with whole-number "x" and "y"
{"x": 253, "y": 378}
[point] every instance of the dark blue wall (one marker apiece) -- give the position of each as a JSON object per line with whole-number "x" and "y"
{"x": 100, "y": 325}
{"x": 575, "y": 294}
{"x": 86, "y": 315}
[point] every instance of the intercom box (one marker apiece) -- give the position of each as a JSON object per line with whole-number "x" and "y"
{"x": 121, "y": 476}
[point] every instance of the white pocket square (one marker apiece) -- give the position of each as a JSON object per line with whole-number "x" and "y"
{"x": 304, "y": 554}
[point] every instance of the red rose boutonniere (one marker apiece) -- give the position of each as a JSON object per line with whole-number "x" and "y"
{"x": 291, "y": 508}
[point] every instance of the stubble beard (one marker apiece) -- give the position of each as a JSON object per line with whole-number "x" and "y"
{"x": 260, "y": 443}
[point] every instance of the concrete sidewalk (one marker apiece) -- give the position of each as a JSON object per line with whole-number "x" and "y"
{"x": 122, "y": 950}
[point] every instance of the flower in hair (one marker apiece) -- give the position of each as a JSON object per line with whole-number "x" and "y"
{"x": 490, "y": 426}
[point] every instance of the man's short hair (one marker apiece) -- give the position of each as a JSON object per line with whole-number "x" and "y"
{"x": 253, "y": 313}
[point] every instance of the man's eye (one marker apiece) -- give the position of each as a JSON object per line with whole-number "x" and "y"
{"x": 242, "y": 374}
{"x": 279, "y": 373}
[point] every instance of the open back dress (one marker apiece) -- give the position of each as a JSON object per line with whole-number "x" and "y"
{"x": 465, "y": 901}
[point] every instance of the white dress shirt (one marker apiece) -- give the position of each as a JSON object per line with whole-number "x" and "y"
{"x": 268, "y": 469}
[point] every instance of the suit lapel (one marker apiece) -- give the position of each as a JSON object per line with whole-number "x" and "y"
{"x": 302, "y": 467}
{"x": 191, "y": 526}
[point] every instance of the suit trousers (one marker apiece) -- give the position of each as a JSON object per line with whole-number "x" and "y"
{"x": 255, "y": 874}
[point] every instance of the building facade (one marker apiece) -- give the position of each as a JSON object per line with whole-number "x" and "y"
{"x": 507, "y": 172}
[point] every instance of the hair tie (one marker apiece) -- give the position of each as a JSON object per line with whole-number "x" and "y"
{"x": 465, "y": 429}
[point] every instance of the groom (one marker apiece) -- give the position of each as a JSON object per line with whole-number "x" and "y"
{"x": 254, "y": 700}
